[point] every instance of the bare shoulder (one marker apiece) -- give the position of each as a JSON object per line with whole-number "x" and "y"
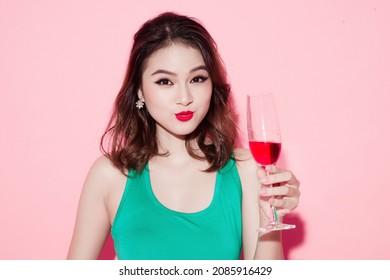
{"x": 245, "y": 161}
{"x": 104, "y": 169}
{"x": 103, "y": 175}
{"x": 94, "y": 212}
{"x": 247, "y": 169}
{"x": 242, "y": 154}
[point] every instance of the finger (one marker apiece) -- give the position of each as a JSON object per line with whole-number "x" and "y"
{"x": 285, "y": 190}
{"x": 286, "y": 204}
{"x": 285, "y": 176}
{"x": 282, "y": 212}
{"x": 273, "y": 169}
{"x": 261, "y": 172}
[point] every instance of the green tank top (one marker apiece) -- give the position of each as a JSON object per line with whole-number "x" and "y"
{"x": 144, "y": 229}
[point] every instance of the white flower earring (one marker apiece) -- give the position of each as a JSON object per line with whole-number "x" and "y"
{"x": 140, "y": 103}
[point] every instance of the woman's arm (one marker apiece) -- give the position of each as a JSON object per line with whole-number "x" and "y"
{"x": 93, "y": 221}
{"x": 256, "y": 203}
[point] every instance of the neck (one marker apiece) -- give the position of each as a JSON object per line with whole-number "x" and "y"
{"x": 175, "y": 147}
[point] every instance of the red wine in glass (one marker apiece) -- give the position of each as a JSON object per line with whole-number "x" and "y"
{"x": 265, "y": 153}
{"x": 265, "y": 143}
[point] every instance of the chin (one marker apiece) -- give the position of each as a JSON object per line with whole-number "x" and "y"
{"x": 183, "y": 133}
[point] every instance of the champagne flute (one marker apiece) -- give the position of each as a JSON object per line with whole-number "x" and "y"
{"x": 265, "y": 143}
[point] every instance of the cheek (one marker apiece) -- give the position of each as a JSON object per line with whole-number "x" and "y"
{"x": 208, "y": 97}
{"x": 146, "y": 90}
{"x": 152, "y": 95}
{"x": 205, "y": 102}
{"x": 204, "y": 92}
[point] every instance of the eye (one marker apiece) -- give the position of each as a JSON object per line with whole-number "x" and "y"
{"x": 199, "y": 79}
{"x": 164, "y": 82}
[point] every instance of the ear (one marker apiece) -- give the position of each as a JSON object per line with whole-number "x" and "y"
{"x": 140, "y": 94}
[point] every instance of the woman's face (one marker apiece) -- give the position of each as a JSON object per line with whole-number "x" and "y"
{"x": 176, "y": 88}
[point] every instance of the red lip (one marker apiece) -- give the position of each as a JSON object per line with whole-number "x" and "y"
{"x": 184, "y": 116}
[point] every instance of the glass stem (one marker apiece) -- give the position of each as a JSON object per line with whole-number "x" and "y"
{"x": 273, "y": 216}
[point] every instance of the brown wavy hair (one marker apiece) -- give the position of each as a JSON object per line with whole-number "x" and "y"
{"x": 130, "y": 136}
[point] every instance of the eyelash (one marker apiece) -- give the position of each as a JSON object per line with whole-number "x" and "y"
{"x": 167, "y": 82}
{"x": 200, "y": 77}
{"x": 164, "y": 82}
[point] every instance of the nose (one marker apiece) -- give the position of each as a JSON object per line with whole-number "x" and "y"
{"x": 184, "y": 96}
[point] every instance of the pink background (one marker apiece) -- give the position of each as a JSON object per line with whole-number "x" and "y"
{"x": 327, "y": 62}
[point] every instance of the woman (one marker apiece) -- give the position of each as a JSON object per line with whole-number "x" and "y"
{"x": 170, "y": 184}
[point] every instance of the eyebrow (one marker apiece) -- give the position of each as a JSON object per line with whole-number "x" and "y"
{"x": 162, "y": 71}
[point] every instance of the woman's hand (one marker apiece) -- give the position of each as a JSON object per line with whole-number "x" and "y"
{"x": 284, "y": 194}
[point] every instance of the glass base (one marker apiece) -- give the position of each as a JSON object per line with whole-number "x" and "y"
{"x": 275, "y": 226}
